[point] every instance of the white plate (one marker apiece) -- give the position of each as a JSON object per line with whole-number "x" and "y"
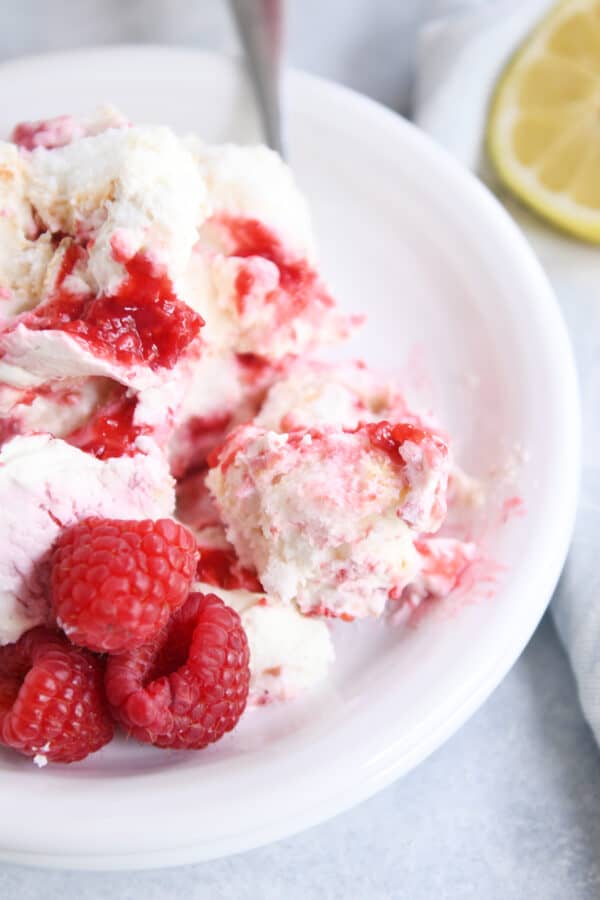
{"x": 412, "y": 238}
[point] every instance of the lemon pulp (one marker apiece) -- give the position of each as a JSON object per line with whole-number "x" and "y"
{"x": 543, "y": 133}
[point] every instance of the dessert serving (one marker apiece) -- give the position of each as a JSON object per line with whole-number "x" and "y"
{"x": 191, "y": 497}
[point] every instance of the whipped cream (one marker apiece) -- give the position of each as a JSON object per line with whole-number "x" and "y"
{"x": 290, "y": 654}
{"x": 59, "y": 408}
{"x": 314, "y": 393}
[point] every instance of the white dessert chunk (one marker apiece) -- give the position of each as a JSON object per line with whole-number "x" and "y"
{"x": 328, "y": 518}
{"x": 254, "y": 182}
{"x": 137, "y": 185}
{"x": 313, "y": 394}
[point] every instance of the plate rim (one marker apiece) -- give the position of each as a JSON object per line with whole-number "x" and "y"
{"x": 555, "y": 334}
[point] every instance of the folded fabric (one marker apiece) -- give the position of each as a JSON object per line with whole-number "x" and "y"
{"x": 461, "y": 53}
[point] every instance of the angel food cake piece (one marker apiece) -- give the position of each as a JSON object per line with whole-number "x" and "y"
{"x": 107, "y": 222}
{"x": 98, "y": 230}
{"x": 328, "y": 518}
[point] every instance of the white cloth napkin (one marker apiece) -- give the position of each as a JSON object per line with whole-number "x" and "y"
{"x": 461, "y": 53}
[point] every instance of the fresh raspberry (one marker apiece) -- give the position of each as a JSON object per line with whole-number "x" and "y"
{"x": 52, "y": 701}
{"x": 188, "y": 687}
{"x": 115, "y": 582}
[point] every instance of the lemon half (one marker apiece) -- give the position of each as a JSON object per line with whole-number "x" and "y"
{"x": 543, "y": 133}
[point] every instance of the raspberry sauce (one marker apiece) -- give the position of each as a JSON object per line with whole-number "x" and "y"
{"x": 255, "y": 369}
{"x": 204, "y": 428}
{"x": 48, "y": 133}
{"x": 111, "y": 431}
{"x": 299, "y": 284}
{"x": 9, "y": 428}
{"x": 221, "y": 567}
{"x": 143, "y": 322}
{"x": 389, "y": 438}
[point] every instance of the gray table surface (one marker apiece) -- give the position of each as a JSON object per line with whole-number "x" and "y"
{"x": 509, "y": 807}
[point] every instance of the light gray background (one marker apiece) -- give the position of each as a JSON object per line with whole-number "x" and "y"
{"x": 510, "y": 807}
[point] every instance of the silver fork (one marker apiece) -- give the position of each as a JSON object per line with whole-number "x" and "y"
{"x": 260, "y": 27}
